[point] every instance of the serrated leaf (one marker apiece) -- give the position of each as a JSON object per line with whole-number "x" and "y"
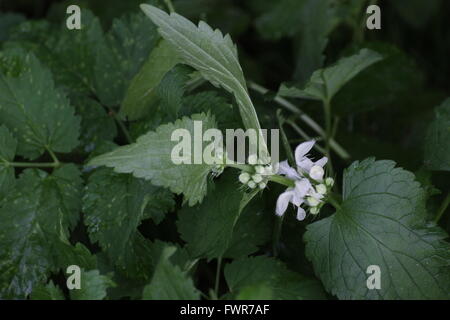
{"x": 209, "y": 52}
{"x": 35, "y": 216}
{"x": 121, "y": 55}
{"x": 114, "y": 206}
{"x": 381, "y": 222}
{"x": 37, "y": 114}
{"x": 150, "y": 158}
{"x": 437, "y": 140}
{"x": 208, "y": 227}
{"x": 93, "y": 286}
{"x": 141, "y": 94}
{"x": 325, "y": 83}
{"x": 169, "y": 282}
{"x": 284, "y": 284}
{"x": 47, "y": 292}
{"x": 8, "y": 146}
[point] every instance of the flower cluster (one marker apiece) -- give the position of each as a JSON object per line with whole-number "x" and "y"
{"x": 257, "y": 175}
{"x": 310, "y": 188}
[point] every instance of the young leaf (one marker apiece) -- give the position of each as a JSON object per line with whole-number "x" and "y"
{"x": 93, "y": 286}
{"x": 37, "y": 114}
{"x": 325, "y": 83}
{"x": 36, "y": 214}
{"x": 141, "y": 94}
{"x": 8, "y": 147}
{"x": 114, "y": 206}
{"x": 208, "y": 227}
{"x": 150, "y": 158}
{"x": 284, "y": 284}
{"x": 209, "y": 52}
{"x": 169, "y": 282}
{"x": 380, "y": 222}
{"x": 437, "y": 141}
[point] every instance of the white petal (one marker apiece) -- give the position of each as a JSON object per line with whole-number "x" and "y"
{"x": 316, "y": 173}
{"x": 321, "y": 162}
{"x": 283, "y": 202}
{"x": 288, "y": 171}
{"x": 302, "y": 149}
{"x": 301, "y": 214}
{"x": 302, "y": 187}
{"x": 305, "y": 165}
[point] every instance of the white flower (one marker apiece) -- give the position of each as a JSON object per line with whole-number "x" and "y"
{"x": 295, "y": 196}
{"x": 304, "y": 191}
{"x": 306, "y": 165}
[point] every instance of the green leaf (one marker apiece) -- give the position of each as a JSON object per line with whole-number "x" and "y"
{"x": 93, "y": 286}
{"x": 256, "y": 292}
{"x": 378, "y": 86}
{"x": 47, "y": 292}
{"x": 114, "y": 206}
{"x": 208, "y": 227}
{"x": 150, "y": 158}
{"x": 121, "y": 55}
{"x": 260, "y": 270}
{"x": 141, "y": 95}
{"x": 318, "y": 19}
{"x": 381, "y": 222}
{"x": 8, "y": 146}
{"x": 169, "y": 282}
{"x": 209, "y": 52}
{"x": 34, "y": 218}
{"x": 437, "y": 141}
{"x": 38, "y": 115}
{"x": 253, "y": 229}
{"x": 97, "y": 125}
{"x": 325, "y": 83}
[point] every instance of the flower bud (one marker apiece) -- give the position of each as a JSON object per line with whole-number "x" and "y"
{"x": 251, "y": 185}
{"x": 244, "y": 177}
{"x": 259, "y": 169}
{"x": 262, "y": 185}
{"x": 316, "y": 173}
{"x": 321, "y": 188}
{"x": 312, "y": 202}
{"x": 314, "y": 210}
{"x": 329, "y": 182}
{"x": 257, "y": 178}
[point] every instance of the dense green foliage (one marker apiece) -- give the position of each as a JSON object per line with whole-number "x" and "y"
{"x": 86, "y": 176}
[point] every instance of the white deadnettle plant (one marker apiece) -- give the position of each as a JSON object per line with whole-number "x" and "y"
{"x": 309, "y": 186}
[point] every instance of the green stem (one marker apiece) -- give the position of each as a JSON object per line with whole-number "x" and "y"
{"x": 34, "y": 164}
{"x": 334, "y": 201}
{"x": 169, "y": 5}
{"x": 54, "y": 157}
{"x": 443, "y": 208}
{"x": 282, "y": 180}
{"x": 284, "y": 139}
{"x": 305, "y": 136}
{"x": 242, "y": 167}
{"x": 217, "y": 283}
{"x": 304, "y": 117}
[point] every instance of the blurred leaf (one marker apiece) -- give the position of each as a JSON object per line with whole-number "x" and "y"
{"x": 437, "y": 140}
{"x": 93, "y": 286}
